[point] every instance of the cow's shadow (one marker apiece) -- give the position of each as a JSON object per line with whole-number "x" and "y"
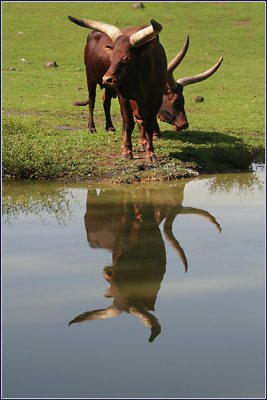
{"x": 128, "y": 224}
{"x": 200, "y": 137}
{"x": 214, "y": 151}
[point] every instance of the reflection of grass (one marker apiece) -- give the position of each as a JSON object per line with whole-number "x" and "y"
{"x": 243, "y": 183}
{"x": 46, "y": 137}
{"x": 39, "y": 200}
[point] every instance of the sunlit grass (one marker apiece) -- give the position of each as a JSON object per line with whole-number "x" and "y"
{"x": 226, "y": 130}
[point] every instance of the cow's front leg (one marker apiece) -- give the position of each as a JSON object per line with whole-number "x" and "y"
{"x": 142, "y": 136}
{"x": 150, "y": 155}
{"x": 127, "y": 128}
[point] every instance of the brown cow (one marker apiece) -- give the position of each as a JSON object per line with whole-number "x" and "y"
{"x": 172, "y": 108}
{"x": 137, "y": 70}
{"x": 128, "y": 224}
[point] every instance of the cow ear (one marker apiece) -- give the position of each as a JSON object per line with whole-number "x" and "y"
{"x": 108, "y": 49}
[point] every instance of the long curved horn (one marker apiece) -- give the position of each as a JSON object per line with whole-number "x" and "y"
{"x": 144, "y": 35}
{"x": 201, "y": 77}
{"x": 174, "y": 64}
{"x": 110, "y": 30}
{"x": 179, "y": 57}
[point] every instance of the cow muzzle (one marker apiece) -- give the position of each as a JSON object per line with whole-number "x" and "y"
{"x": 181, "y": 125}
{"x": 109, "y": 80}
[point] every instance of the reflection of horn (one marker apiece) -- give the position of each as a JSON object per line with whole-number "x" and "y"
{"x": 167, "y": 229}
{"x": 104, "y": 313}
{"x": 148, "y": 319}
{"x": 205, "y": 214}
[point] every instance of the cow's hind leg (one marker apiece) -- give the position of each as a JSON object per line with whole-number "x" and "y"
{"x": 92, "y": 94}
{"x": 150, "y": 155}
{"x": 107, "y": 96}
{"x": 156, "y": 134}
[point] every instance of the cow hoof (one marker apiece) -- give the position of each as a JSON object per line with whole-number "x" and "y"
{"x": 108, "y": 270}
{"x": 151, "y": 158}
{"x": 127, "y": 156}
{"x": 141, "y": 147}
{"x": 156, "y": 136}
{"x": 107, "y": 273}
{"x": 110, "y": 129}
{"x": 92, "y": 130}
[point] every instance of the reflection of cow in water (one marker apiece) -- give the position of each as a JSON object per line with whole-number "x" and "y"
{"x": 128, "y": 223}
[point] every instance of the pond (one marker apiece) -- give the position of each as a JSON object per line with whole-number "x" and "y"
{"x": 135, "y": 291}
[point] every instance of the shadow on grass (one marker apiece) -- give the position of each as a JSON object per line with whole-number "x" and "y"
{"x": 200, "y": 137}
{"x": 214, "y": 151}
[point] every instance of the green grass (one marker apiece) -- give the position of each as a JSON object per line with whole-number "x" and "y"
{"x": 45, "y": 136}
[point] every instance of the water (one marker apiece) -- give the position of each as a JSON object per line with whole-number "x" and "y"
{"x": 134, "y": 291}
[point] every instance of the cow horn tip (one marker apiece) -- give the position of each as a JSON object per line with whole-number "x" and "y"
{"x": 156, "y": 25}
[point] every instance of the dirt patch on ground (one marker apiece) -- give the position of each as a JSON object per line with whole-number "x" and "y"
{"x": 69, "y": 128}
{"x": 243, "y": 22}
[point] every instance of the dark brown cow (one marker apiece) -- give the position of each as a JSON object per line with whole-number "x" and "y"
{"x": 172, "y": 108}
{"x": 128, "y": 224}
{"x": 137, "y": 70}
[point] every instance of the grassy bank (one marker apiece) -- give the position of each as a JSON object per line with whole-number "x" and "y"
{"x": 45, "y": 136}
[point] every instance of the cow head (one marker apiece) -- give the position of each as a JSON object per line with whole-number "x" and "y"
{"x": 172, "y": 109}
{"x": 122, "y": 58}
{"x": 123, "y": 49}
{"x": 124, "y": 54}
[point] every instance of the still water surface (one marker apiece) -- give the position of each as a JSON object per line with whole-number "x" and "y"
{"x": 134, "y": 291}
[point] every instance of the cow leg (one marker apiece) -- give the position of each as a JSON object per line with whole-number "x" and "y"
{"x": 150, "y": 155}
{"x": 142, "y": 136}
{"x": 156, "y": 134}
{"x": 92, "y": 93}
{"x": 106, "y": 103}
{"x": 127, "y": 128}
{"x": 141, "y": 125}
